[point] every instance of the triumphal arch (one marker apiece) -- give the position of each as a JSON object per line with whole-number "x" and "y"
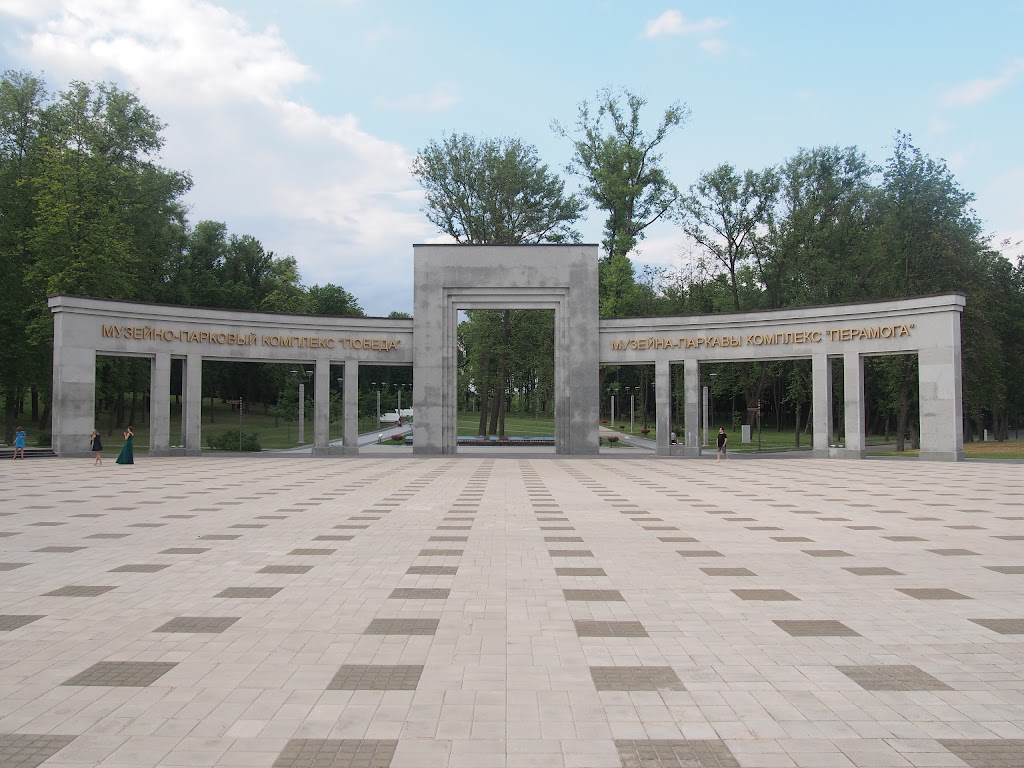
{"x": 560, "y": 278}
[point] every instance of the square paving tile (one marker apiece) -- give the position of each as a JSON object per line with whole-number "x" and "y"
{"x": 987, "y": 753}
{"x": 826, "y": 553}
{"x": 108, "y": 536}
{"x": 75, "y": 591}
{"x": 600, "y": 595}
{"x": 249, "y": 592}
{"x": 337, "y": 753}
{"x": 812, "y": 628}
{"x": 678, "y": 539}
{"x": 433, "y": 570}
{"x": 770, "y": 595}
{"x": 184, "y": 551}
{"x": 636, "y": 679}
{"x": 570, "y": 553}
{"x": 728, "y": 572}
{"x": 904, "y": 538}
{"x": 414, "y": 593}
{"x": 791, "y": 538}
{"x": 123, "y": 674}
{"x": 29, "y": 750}
{"x": 440, "y": 552}
{"x": 332, "y": 538}
{"x": 591, "y": 628}
{"x": 1002, "y": 626}
{"x": 934, "y": 594}
{"x": 198, "y": 624}
{"x": 10, "y": 622}
{"x": 293, "y": 569}
{"x": 569, "y": 571}
{"x": 564, "y": 538}
{"x": 12, "y": 566}
{"x": 59, "y": 549}
{"x": 312, "y": 552}
{"x": 140, "y": 568}
{"x": 699, "y": 553}
{"x": 375, "y": 677}
{"x": 1007, "y": 569}
{"x": 675, "y": 753}
{"x": 953, "y": 552}
{"x": 402, "y": 627}
{"x": 873, "y": 571}
{"x": 893, "y": 677}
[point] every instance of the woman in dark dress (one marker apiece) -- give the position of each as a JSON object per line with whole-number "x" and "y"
{"x": 127, "y": 455}
{"x": 96, "y": 444}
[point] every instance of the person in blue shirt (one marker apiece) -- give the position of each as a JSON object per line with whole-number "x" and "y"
{"x": 19, "y": 443}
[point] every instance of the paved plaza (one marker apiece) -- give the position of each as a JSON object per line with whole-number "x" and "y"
{"x": 478, "y": 611}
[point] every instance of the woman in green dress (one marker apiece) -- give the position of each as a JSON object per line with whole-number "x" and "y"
{"x": 127, "y": 454}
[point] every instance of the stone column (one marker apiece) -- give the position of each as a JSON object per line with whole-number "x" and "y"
{"x": 941, "y": 396}
{"x": 821, "y": 403}
{"x": 663, "y": 405}
{"x": 853, "y": 394}
{"x": 160, "y": 404}
{"x": 691, "y": 429}
{"x": 321, "y": 407}
{"x": 192, "y": 404}
{"x": 351, "y": 398}
{"x": 74, "y": 397}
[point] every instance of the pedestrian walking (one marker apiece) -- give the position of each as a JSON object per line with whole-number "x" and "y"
{"x": 127, "y": 454}
{"x": 723, "y": 443}
{"x": 96, "y": 446}
{"x": 19, "y": 443}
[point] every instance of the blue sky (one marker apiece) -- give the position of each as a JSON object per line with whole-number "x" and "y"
{"x": 299, "y": 120}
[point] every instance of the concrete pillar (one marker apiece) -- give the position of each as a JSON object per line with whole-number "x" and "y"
{"x": 321, "y": 407}
{"x": 853, "y": 393}
{"x": 192, "y": 404}
{"x": 160, "y": 404}
{"x": 663, "y": 405}
{"x": 351, "y": 399}
{"x": 941, "y": 396}
{"x": 691, "y": 408}
{"x": 74, "y": 398}
{"x": 821, "y": 402}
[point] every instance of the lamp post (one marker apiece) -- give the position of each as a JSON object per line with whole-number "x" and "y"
{"x": 704, "y": 403}
{"x": 341, "y": 407}
{"x": 292, "y": 375}
{"x": 711, "y": 398}
{"x": 376, "y": 385}
{"x": 632, "y": 400}
{"x": 399, "y": 387}
{"x": 302, "y": 406}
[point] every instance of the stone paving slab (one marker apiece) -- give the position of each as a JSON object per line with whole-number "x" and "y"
{"x": 861, "y": 613}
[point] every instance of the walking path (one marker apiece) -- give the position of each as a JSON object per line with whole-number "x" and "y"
{"x": 470, "y": 612}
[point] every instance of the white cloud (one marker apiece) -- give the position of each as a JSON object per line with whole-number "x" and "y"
{"x": 982, "y": 89}
{"x": 311, "y": 185}
{"x": 672, "y": 22}
{"x": 714, "y": 45}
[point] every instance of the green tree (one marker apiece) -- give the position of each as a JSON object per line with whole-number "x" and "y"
{"x": 725, "y": 212}
{"x": 332, "y": 300}
{"x": 494, "y": 192}
{"x": 624, "y": 177}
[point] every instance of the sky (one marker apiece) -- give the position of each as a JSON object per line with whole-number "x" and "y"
{"x": 299, "y": 121}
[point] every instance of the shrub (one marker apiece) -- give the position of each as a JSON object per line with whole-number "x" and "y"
{"x": 613, "y": 439}
{"x": 228, "y": 441}
{"x": 604, "y": 421}
{"x": 43, "y": 440}
{"x": 398, "y": 437}
{"x": 645, "y": 431}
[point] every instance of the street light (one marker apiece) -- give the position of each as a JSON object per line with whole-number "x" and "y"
{"x": 399, "y": 387}
{"x": 632, "y": 395}
{"x": 341, "y": 404}
{"x": 377, "y": 385}
{"x": 302, "y": 405}
{"x": 706, "y": 394}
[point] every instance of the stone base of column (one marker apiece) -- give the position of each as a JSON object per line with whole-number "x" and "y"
{"x": 941, "y": 456}
{"x": 846, "y": 453}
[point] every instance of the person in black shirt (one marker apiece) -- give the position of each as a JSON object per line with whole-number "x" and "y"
{"x": 723, "y": 441}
